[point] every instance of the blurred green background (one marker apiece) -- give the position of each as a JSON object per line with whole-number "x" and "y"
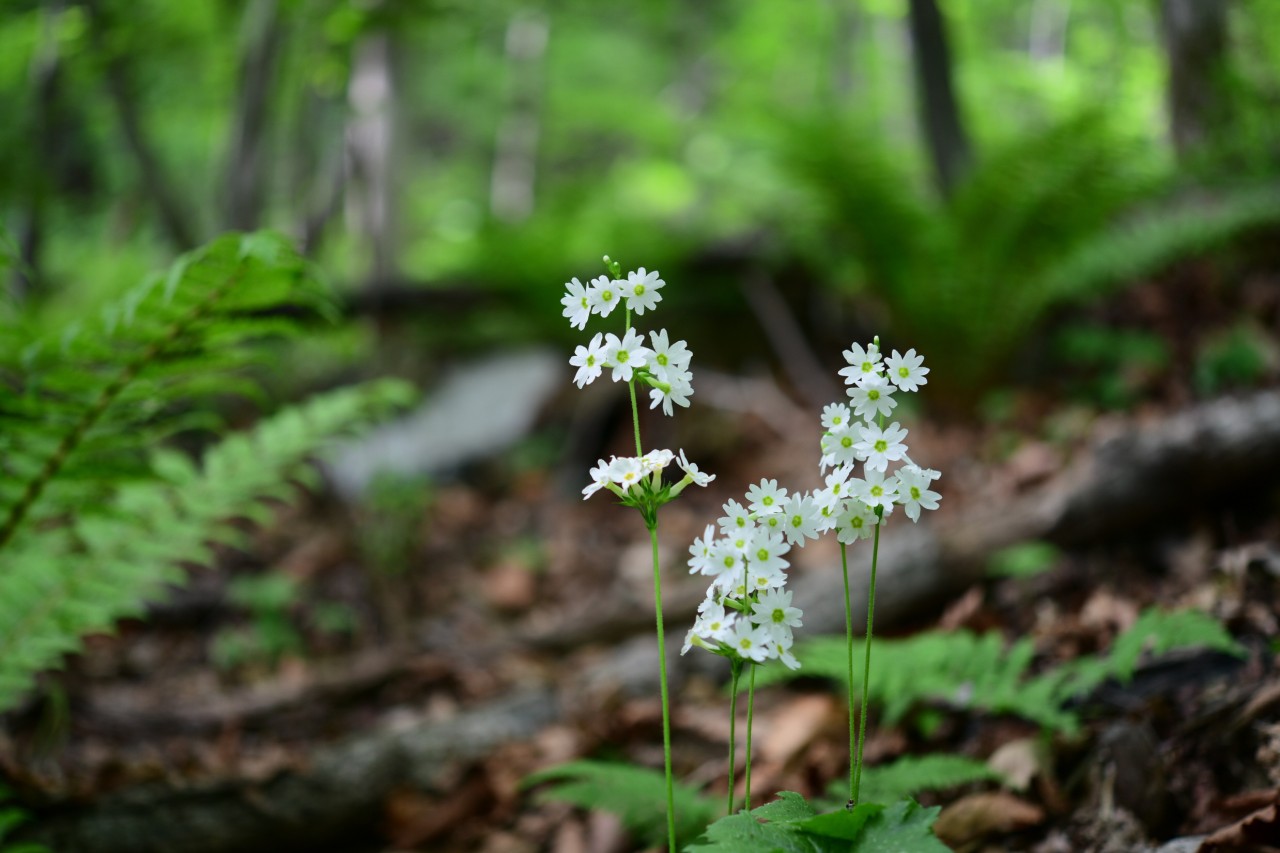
{"x": 966, "y": 177}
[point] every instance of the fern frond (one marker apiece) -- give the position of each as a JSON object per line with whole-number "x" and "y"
{"x": 1156, "y": 239}
{"x": 100, "y": 567}
{"x": 80, "y": 410}
{"x": 912, "y": 774}
{"x": 637, "y": 795}
{"x": 964, "y": 670}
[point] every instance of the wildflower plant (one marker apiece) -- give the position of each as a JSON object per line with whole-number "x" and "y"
{"x": 747, "y": 616}
{"x": 858, "y": 507}
{"x": 637, "y": 481}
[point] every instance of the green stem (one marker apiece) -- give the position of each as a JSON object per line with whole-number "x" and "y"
{"x": 635, "y": 416}
{"x": 751, "y": 705}
{"x": 866, "y": 663}
{"x": 735, "y": 667}
{"x": 848, "y": 631}
{"x": 666, "y": 704}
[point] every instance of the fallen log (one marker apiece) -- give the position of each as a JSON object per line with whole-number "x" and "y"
{"x": 335, "y": 801}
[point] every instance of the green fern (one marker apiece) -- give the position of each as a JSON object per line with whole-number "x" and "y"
{"x": 637, "y": 795}
{"x": 1042, "y": 221}
{"x": 977, "y": 671}
{"x": 912, "y": 774}
{"x": 96, "y": 518}
{"x": 78, "y": 412}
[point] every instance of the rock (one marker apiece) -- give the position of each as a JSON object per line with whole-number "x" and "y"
{"x": 479, "y": 410}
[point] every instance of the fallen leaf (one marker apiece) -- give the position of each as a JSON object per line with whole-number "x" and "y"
{"x": 980, "y": 815}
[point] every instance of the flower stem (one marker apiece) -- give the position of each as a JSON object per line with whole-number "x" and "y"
{"x": 866, "y": 663}
{"x": 635, "y": 416}
{"x": 751, "y": 705}
{"x": 666, "y": 704}
{"x": 848, "y": 631}
{"x": 735, "y": 668}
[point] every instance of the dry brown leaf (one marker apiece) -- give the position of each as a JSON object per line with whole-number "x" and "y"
{"x": 1020, "y": 761}
{"x": 794, "y": 726}
{"x": 980, "y": 815}
{"x": 1258, "y": 832}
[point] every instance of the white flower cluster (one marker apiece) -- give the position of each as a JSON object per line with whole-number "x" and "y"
{"x": 663, "y": 366}
{"x": 851, "y": 505}
{"x": 748, "y": 612}
{"x": 621, "y": 473}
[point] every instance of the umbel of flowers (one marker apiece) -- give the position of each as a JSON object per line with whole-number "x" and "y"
{"x": 637, "y": 481}
{"x": 747, "y": 616}
{"x": 856, "y": 440}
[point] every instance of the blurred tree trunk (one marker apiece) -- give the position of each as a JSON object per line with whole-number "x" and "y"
{"x": 245, "y": 187}
{"x": 371, "y": 153}
{"x": 515, "y": 160}
{"x": 176, "y": 220}
{"x": 844, "y": 35}
{"x": 318, "y": 173}
{"x": 1195, "y": 41}
{"x": 944, "y": 130}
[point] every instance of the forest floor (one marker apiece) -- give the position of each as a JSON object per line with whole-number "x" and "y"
{"x": 336, "y": 621}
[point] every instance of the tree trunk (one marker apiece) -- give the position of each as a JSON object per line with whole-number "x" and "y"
{"x": 176, "y": 220}
{"x": 516, "y": 152}
{"x": 1195, "y": 40}
{"x": 944, "y": 130}
{"x": 371, "y": 149}
{"x": 245, "y": 182}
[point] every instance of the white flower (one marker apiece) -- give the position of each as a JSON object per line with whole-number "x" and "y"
{"x": 702, "y": 552}
{"x": 784, "y": 655}
{"x": 713, "y": 623}
{"x": 656, "y": 460}
{"x": 873, "y": 397}
{"x": 678, "y": 390}
{"x": 765, "y": 553}
{"x": 906, "y": 371}
{"x": 604, "y": 296}
{"x": 668, "y": 358}
{"x": 833, "y": 491}
{"x": 875, "y": 491}
{"x": 857, "y": 522}
{"x": 773, "y": 610}
{"x": 700, "y": 478}
{"x": 863, "y": 363}
{"x": 589, "y": 360}
{"x": 736, "y": 518}
{"x": 835, "y": 416}
{"x": 641, "y": 290}
{"x": 749, "y": 641}
{"x": 914, "y": 492}
{"x": 838, "y": 448}
{"x": 625, "y": 355}
{"x": 881, "y": 446}
{"x": 725, "y": 560}
{"x": 599, "y": 479}
{"x": 626, "y": 471}
{"x": 799, "y": 523}
{"x": 577, "y": 303}
{"x": 765, "y": 498}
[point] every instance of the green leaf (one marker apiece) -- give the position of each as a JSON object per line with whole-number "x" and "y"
{"x": 789, "y": 806}
{"x": 637, "y": 795}
{"x": 904, "y": 827}
{"x": 845, "y": 824}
